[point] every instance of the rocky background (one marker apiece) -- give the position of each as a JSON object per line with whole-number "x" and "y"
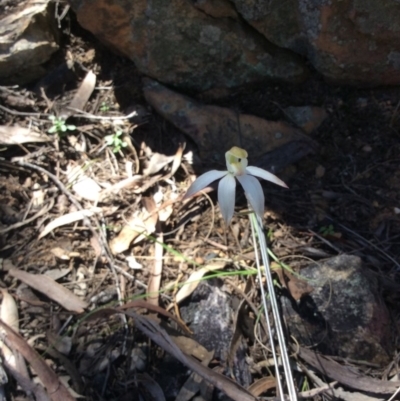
{"x": 204, "y": 44}
{"x": 207, "y": 44}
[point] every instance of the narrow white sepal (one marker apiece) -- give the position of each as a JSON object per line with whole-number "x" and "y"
{"x": 261, "y": 173}
{"x": 204, "y": 181}
{"x": 254, "y": 193}
{"x": 226, "y": 197}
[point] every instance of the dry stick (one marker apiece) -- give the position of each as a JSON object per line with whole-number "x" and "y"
{"x": 316, "y": 391}
{"x": 155, "y": 275}
{"x": 89, "y": 116}
{"x": 360, "y": 237}
{"x": 81, "y": 114}
{"x": 22, "y": 113}
{"x": 324, "y": 240}
{"x": 72, "y": 199}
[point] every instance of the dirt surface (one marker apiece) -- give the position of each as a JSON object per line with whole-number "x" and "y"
{"x": 343, "y": 199}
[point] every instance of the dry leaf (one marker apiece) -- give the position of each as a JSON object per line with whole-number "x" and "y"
{"x": 191, "y": 347}
{"x": 81, "y": 284}
{"x": 346, "y": 375}
{"x": 140, "y": 225}
{"x": 68, "y": 218}
{"x": 58, "y": 273}
{"x": 15, "y": 135}
{"x": 8, "y": 356}
{"x": 9, "y": 315}
{"x": 296, "y": 286}
{"x": 65, "y": 380}
{"x": 54, "y": 386}
{"x": 262, "y": 385}
{"x": 133, "y": 263}
{"x": 87, "y": 188}
{"x": 9, "y": 311}
{"x": 165, "y": 213}
{"x": 177, "y": 159}
{"x": 129, "y": 182}
{"x": 38, "y": 195}
{"x": 82, "y": 185}
{"x": 160, "y": 337}
{"x": 156, "y": 163}
{"x": 82, "y": 95}
{"x": 27, "y": 384}
{"x": 165, "y": 209}
{"x": 51, "y": 289}
{"x": 60, "y": 253}
{"x": 194, "y": 280}
{"x": 98, "y": 250}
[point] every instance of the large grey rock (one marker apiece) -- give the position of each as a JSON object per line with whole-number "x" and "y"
{"x": 344, "y": 315}
{"x": 348, "y": 41}
{"x": 192, "y": 47}
{"x": 205, "y": 44}
{"x": 28, "y": 37}
{"x": 209, "y": 315}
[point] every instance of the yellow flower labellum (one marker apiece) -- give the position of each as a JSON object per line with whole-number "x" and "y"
{"x": 237, "y": 152}
{"x": 236, "y": 161}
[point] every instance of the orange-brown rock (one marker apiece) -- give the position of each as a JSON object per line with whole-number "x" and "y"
{"x": 193, "y": 46}
{"x": 216, "y": 129}
{"x": 349, "y": 41}
{"x": 205, "y": 44}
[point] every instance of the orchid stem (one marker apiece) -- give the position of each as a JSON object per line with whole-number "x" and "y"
{"x": 257, "y": 232}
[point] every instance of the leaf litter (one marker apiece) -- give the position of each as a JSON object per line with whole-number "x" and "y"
{"x": 90, "y": 242}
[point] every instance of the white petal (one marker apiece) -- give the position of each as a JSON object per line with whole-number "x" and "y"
{"x": 226, "y": 197}
{"x": 254, "y": 193}
{"x": 204, "y": 181}
{"x": 261, "y": 173}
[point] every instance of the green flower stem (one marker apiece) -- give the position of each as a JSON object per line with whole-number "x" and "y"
{"x": 258, "y": 234}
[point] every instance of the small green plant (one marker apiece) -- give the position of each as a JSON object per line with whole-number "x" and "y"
{"x": 115, "y": 141}
{"x": 327, "y": 231}
{"x": 59, "y": 126}
{"x": 104, "y": 107}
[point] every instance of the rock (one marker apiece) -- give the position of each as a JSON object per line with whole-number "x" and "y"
{"x": 205, "y": 44}
{"x": 216, "y": 129}
{"x": 191, "y": 46}
{"x": 209, "y": 315}
{"x": 28, "y": 37}
{"x": 308, "y": 118}
{"x": 351, "y": 42}
{"x": 344, "y": 315}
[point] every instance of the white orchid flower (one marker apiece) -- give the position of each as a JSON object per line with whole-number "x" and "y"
{"x": 237, "y": 168}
